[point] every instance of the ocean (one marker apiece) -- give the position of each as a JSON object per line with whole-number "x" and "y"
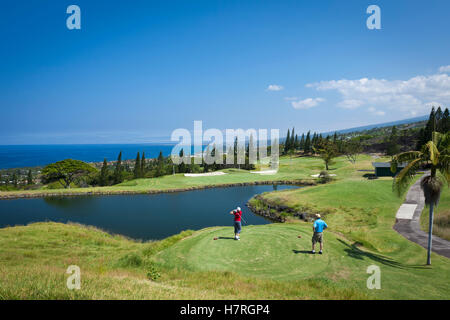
{"x": 19, "y": 156}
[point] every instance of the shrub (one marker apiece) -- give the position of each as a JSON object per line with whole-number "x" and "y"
{"x": 153, "y": 272}
{"x": 324, "y": 177}
{"x": 130, "y": 260}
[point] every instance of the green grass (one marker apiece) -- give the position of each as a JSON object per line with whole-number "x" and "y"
{"x": 34, "y": 259}
{"x": 295, "y": 168}
{"x": 270, "y": 262}
{"x": 275, "y": 252}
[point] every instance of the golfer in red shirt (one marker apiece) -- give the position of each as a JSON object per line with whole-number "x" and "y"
{"x": 237, "y": 222}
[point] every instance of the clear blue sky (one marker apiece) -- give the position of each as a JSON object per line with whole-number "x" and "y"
{"x": 137, "y": 70}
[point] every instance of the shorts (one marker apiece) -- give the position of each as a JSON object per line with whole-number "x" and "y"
{"x": 317, "y": 237}
{"x": 237, "y": 227}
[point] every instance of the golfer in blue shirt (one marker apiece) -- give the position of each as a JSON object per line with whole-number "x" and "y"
{"x": 318, "y": 227}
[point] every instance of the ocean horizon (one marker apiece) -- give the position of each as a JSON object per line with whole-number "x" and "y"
{"x": 20, "y": 156}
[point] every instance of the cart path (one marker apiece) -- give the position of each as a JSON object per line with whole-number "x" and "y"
{"x": 408, "y": 222}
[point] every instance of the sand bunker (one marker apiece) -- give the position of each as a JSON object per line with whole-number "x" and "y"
{"x": 265, "y": 172}
{"x": 317, "y": 175}
{"x": 219, "y": 173}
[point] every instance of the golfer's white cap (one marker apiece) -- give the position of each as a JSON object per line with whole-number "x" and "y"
{"x": 238, "y": 208}
{"x": 317, "y": 215}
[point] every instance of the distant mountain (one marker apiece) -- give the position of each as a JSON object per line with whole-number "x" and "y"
{"x": 379, "y": 125}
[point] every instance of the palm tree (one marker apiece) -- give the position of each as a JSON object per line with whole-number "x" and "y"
{"x": 435, "y": 153}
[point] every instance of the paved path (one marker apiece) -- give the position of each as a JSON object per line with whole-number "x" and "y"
{"x": 408, "y": 222}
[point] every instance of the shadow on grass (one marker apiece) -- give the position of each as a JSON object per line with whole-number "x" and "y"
{"x": 302, "y": 251}
{"x": 354, "y": 252}
{"x": 225, "y": 238}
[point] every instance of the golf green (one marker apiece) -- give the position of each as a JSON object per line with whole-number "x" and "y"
{"x": 271, "y": 251}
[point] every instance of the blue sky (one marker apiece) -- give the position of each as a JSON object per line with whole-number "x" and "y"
{"x": 138, "y": 70}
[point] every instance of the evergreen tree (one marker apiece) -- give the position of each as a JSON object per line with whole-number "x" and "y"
{"x": 421, "y": 138}
{"x": 287, "y": 142}
{"x": 15, "y": 179}
{"x": 143, "y": 167}
{"x": 320, "y": 139}
{"x": 302, "y": 142}
{"x": 296, "y": 142}
{"x": 393, "y": 147}
{"x": 292, "y": 142}
{"x": 335, "y": 137}
{"x": 341, "y": 145}
{"x": 425, "y": 135}
{"x": 104, "y": 173}
{"x": 118, "y": 177}
{"x": 230, "y": 153}
{"x": 182, "y": 165}
{"x": 29, "y": 178}
{"x": 308, "y": 142}
{"x": 445, "y": 122}
{"x": 438, "y": 118}
{"x": 314, "y": 140}
{"x": 251, "y": 148}
{"x": 430, "y": 127}
{"x": 160, "y": 165}
{"x": 137, "y": 166}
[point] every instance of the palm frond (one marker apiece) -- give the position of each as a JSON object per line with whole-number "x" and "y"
{"x": 432, "y": 152}
{"x": 407, "y": 156}
{"x": 443, "y": 144}
{"x": 444, "y": 167}
{"x": 404, "y": 157}
{"x": 402, "y": 179}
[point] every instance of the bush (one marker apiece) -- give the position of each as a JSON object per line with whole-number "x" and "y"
{"x": 130, "y": 260}
{"x": 153, "y": 272}
{"x": 59, "y": 185}
{"x": 324, "y": 177}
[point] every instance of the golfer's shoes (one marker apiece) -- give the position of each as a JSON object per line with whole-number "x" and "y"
{"x": 313, "y": 252}
{"x": 320, "y": 252}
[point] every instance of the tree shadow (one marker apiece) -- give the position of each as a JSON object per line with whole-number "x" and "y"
{"x": 370, "y": 176}
{"x": 354, "y": 252}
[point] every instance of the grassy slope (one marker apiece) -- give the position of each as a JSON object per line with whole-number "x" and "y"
{"x": 364, "y": 211}
{"x": 33, "y": 261}
{"x": 270, "y": 261}
{"x": 441, "y": 223}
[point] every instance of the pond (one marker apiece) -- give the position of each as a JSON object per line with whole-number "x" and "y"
{"x": 145, "y": 217}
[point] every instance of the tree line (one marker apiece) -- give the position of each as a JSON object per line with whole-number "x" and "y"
{"x": 326, "y": 148}
{"x": 16, "y": 180}
{"x": 438, "y": 121}
{"x": 161, "y": 166}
